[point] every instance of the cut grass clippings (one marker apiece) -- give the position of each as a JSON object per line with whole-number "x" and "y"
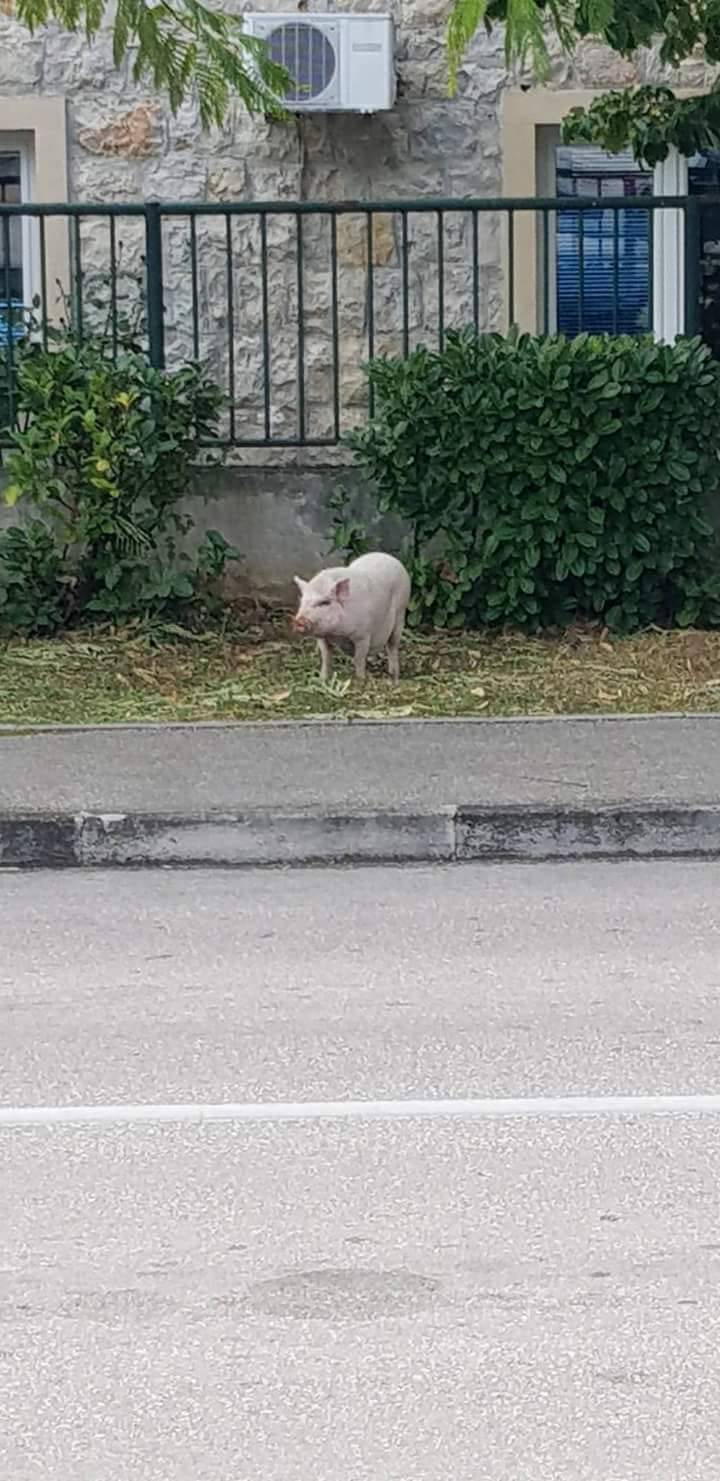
{"x": 262, "y": 675}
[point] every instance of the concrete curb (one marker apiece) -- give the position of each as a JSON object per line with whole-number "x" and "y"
{"x": 358, "y": 722}
{"x": 449, "y": 835}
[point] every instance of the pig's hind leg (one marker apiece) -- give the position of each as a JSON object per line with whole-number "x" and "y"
{"x": 326, "y": 660}
{"x": 393, "y": 648}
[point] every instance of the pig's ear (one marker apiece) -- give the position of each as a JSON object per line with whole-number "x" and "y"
{"x": 341, "y": 590}
{"x": 300, "y": 584}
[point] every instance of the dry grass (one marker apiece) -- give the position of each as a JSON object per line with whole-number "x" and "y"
{"x": 88, "y": 679}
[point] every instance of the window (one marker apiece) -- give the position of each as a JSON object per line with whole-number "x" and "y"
{"x": 11, "y": 253}
{"x": 33, "y": 167}
{"x": 602, "y": 257}
{"x": 570, "y": 284}
{"x": 15, "y": 241}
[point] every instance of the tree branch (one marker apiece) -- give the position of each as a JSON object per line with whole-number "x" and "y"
{"x": 181, "y": 47}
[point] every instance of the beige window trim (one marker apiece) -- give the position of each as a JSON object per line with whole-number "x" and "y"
{"x": 41, "y": 123}
{"x": 526, "y": 117}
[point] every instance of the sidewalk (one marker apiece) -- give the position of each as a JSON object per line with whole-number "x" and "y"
{"x": 305, "y": 793}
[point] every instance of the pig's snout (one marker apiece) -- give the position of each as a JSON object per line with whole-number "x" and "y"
{"x": 298, "y": 625}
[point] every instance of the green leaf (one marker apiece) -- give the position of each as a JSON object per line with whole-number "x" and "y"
{"x": 678, "y": 470}
{"x": 177, "y": 48}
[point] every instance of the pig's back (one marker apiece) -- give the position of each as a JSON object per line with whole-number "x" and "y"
{"x": 384, "y": 572}
{"x": 383, "y": 592}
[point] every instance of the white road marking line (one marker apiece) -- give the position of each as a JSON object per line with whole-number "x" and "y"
{"x": 533, "y": 1107}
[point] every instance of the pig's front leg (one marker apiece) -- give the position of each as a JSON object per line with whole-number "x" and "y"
{"x": 326, "y": 660}
{"x": 360, "y": 654}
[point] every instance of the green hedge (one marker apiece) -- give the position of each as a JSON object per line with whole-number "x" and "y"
{"x": 103, "y": 456}
{"x": 547, "y": 480}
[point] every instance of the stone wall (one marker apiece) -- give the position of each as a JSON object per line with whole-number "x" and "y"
{"x": 124, "y": 145}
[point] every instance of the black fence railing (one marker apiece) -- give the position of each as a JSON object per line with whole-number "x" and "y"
{"x": 286, "y": 301}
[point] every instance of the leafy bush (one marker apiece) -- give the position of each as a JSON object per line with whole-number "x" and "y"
{"x": 545, "y": 480}
{"x": 105, "y": 457}
{"x": 348, "y": 535}
{"x": 32, "y": 594}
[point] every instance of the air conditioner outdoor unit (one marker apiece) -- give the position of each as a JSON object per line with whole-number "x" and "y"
{"x": 339, "y": 63}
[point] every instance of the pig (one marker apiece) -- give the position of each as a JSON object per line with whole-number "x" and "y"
{"x": 362, "y": 605}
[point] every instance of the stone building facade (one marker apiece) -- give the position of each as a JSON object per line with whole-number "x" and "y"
{"x": 87, "y": 133}
{"x": 112, "y": 142}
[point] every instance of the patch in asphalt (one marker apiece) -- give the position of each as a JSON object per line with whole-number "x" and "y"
{"x": 345, "y": 1294}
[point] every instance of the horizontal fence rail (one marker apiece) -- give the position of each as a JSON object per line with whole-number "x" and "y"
{"x": 286, "y": 301}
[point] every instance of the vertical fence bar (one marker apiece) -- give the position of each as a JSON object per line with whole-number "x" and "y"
{"x": 230, "y": 297}
{"x": 300, "y": 265}
{"x": 194, "y": 288}
{"x": 405, "y": 286}
{"x": 335, "y": 327}
{"x": 113, "y": 288}
{"x": 441, "y": 278}
{"x": 476, "y": 271}
{"x": 77, "y": 277}
{"x": 546, "y": 271}
{"x": 692, "y": 266}
{"x": 581, "y": 272}
{"x": 43, "y": 282}
{"x": 370, "y": 305}
{"x": 8, "y": 321}
{"x": 265, "y": 325}
{"x": 154, "y": 279}
{"x": 616, "y": 270}
{"x": 511, "y": 267}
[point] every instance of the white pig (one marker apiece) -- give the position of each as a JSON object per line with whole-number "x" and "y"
{"x": 363, "y": 605}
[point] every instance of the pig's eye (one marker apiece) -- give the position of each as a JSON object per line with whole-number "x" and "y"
{"x": 324, "y": 603}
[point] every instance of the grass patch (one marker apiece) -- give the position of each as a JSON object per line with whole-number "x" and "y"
{"x": 262, "y": 675}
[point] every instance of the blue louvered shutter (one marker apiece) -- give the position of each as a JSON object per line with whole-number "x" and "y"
{"x": 602, "y": 257}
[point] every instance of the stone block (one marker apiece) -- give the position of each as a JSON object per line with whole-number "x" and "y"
{"x": 595, "y": 65}
{"x": 352, "y": 240}
{"x": 21, "y": 57}
{"x": 227, "y": 182}
{"x": 115, "y": 181}
{"x": 73, "y": 65}
{"x": 134, "y": 135}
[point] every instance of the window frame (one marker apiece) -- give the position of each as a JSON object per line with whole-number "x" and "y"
{"x": 530, "y": 119}
{"x": 21, "y": 144}
{"x": 40, "y": 124}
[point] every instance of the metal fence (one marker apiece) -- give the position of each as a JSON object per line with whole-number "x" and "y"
{"x": 286, "y": 301}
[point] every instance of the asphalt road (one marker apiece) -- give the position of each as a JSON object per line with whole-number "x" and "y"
{"x": 528, "y": 1300}
{"x": 322, "y": 985}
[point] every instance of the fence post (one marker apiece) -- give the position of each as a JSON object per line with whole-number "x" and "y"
{"x": 692, "y": 266}
{"x": 154, "y": 280}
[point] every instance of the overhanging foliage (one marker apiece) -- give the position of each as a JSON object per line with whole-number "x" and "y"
{"x": 648, "y": 120}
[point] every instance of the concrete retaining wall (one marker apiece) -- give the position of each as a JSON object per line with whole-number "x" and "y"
{"x": 277, "y": 516}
